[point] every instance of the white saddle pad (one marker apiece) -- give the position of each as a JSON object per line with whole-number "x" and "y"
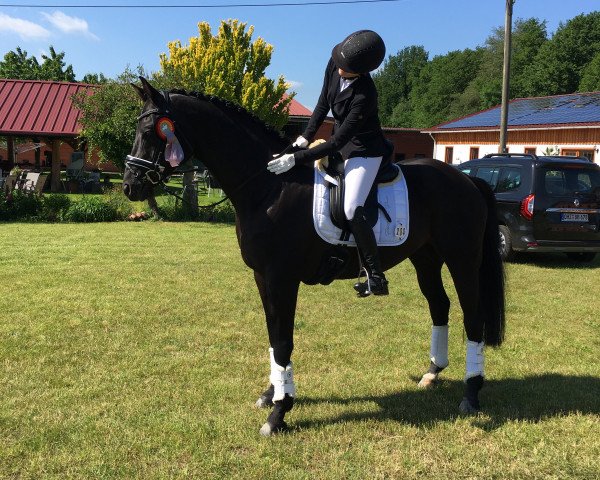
{"x": 392, "y": 196}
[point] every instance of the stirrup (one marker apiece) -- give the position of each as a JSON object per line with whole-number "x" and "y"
{"x": 374, "y": 285}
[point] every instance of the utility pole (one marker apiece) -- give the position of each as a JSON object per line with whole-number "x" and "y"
{"x": 506, "y": 75}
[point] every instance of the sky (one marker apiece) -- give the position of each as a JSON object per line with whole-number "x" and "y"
{"x": 107, "y": 40}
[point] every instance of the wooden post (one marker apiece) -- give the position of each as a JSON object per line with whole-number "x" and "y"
{"x": 38, "y": 154}
{"x": 10, "y": 150}
{"x": 506, "y": 76}
{"x": 55, "y": 179}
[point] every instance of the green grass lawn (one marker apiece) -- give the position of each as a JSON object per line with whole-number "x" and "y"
{"x": 137, "y": 350}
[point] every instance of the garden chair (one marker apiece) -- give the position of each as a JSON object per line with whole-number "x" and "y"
{"x": 75, "y": 169}
{"x": 39, "y": 185}
{"x": 30, "y": 182}
{"x": 91, "y": 183}
{"x": 9, "y": 184}
{"x": 200, "y": 182}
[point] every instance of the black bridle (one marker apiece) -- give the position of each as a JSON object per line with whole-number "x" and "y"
{"x": 152, "y": 170}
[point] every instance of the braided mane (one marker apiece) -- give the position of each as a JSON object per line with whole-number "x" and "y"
{"x": 230, "y": 106}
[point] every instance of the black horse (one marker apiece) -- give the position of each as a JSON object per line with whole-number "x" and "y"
{"x": 452, "y": 221}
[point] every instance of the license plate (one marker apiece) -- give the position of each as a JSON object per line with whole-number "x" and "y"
{"x": 574, "y": 217}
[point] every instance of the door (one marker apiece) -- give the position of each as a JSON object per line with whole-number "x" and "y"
{"x": 567, "y": 203}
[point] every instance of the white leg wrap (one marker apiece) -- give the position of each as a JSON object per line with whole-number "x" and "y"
{"x": 438, "y": 353}
{"x": 474, "y": 359}
{"x": 282, "y": 379}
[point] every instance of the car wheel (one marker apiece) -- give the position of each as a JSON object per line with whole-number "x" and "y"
{"x": 505, "y": 247}
{"x": 581, "y": 256}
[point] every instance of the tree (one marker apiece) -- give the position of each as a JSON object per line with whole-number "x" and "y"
{"x": 396, "y": 80}
{"x": 528, "y": 38}
{"x": 108, "y": 116}
{"x": 18, "y": 65}
{"x": 230, "y": 66}
{"x": 440, "y": 84}
{"x": 53, "y": 67}
{"x": 560, "y": 62}
{"x": 94, "y": 78}
{"x": 485, "y": 90}
{"x": 590, "y": 78}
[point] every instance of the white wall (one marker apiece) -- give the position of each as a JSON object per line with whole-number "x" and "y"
{"x": 461, "y": 152}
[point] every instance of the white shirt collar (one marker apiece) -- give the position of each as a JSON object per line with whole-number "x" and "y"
{"x": 346, "y": 82}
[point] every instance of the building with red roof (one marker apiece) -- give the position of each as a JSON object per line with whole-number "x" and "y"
{"x": 41, "y": 127}
{"x": 558, "y": 125}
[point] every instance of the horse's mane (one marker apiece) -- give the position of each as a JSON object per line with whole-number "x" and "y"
{"x": 233, "y": 107}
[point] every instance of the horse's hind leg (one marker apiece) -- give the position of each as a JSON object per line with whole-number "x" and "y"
{"x": 428, "y": 265}
{"x": 465, "y": 273}
{"x": 279, "y": 297}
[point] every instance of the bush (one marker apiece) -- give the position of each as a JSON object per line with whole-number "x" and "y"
{"x": 223, "y": 213}
{"x": 91, "y": 209}
{"x": 19, "y": 206}
{"x": 117, "y": 200}
{"x": 173, "y": 211}
{"x": 54, "y": 207}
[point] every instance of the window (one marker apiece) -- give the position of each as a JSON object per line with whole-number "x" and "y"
{"x": 567, "y": 181}
{"x": 449, "y": 154}
{"x": 473, "y": 153}
{"x": 510, "y": 179}
{"x": 589, "y": 154}
{"x": 530, "y": 150}
{"x": 489, "y": 174}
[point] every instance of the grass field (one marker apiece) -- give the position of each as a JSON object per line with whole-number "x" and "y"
{"x": 137, "y": 350}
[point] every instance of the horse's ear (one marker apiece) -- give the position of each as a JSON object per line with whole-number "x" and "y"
{"x": 140, "y": 92}
{"x": 151, "y": 93}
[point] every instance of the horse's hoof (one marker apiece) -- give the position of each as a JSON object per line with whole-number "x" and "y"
{"x": 428, "y": 380}
{"x": 466, "y": 408}
{"x": 268, "y": 430}
{"x": 263, "y": 402}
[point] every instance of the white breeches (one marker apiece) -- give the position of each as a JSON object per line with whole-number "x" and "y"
{"x": 360, "y": 173}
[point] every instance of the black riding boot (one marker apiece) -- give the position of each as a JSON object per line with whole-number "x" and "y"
{"x": 376, "y": 283}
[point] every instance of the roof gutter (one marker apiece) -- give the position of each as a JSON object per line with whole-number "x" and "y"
{"x": 513, "y": 129}
{"x": 434, "y": 142}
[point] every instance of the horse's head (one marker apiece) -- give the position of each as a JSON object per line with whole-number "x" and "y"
{"x": 156, "y": 150}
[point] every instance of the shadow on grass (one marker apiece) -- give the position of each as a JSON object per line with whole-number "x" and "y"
{"x": 531, "y": 399}
{"x": 554, "y": 260}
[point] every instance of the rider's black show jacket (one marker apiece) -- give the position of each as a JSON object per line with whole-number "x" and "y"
{"x": 357, "y": 131}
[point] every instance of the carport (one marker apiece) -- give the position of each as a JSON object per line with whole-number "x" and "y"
{"x": 41, "y": 112}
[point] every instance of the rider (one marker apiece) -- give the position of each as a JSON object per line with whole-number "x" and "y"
{"x": 350, "y": 93}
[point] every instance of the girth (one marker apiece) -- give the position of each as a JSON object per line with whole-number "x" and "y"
{"x": 335, "y": 168}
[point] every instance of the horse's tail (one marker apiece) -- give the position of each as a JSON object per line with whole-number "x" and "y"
{"x": 491, "y": 273}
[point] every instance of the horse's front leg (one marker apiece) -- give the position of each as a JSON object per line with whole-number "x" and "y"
{"x": 279, "y": 295}
{"x": 428, "y": 265}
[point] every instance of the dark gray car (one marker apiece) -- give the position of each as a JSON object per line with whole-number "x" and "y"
{"x": 545, "y": 204}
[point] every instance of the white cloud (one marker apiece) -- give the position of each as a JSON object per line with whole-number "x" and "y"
{"x": 67, "y": 24}
{"x": 24, "y": 28}
{"x": 293, "y": 84}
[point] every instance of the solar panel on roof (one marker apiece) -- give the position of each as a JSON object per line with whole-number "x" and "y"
{"x": 563, "y": 109}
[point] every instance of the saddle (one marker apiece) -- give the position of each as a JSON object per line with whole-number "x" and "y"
{"x": 335, "y": 169}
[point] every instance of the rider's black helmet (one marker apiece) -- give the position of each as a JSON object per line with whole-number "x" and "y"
{"x": 359, "y": 52}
